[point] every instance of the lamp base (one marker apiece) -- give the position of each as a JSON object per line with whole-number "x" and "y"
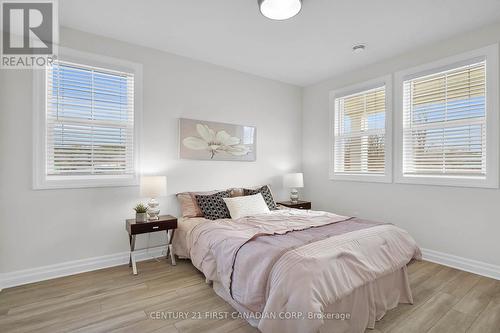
{"x": 294, "y": 195}
{"x": 153, "y": 210}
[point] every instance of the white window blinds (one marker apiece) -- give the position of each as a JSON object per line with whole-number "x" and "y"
{"x": 90, "y": 121}
{"x": 444, "y": 123}
{"x": 359, "y": 138}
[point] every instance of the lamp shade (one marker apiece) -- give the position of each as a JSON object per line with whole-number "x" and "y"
{"x": 293, "y": 180}
{"x": 153, "y": 186}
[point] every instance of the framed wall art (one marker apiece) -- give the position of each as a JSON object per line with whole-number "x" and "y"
{"x": 207, "y": 140}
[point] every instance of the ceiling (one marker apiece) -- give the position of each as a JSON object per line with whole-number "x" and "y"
{"x": 308, "y": 48}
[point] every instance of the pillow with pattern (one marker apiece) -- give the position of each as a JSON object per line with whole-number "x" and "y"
{"x": 213, "y": 206}
{"x": 266, "y": 193}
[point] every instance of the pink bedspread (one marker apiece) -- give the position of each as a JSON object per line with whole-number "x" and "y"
{"x": 297, "y": 261}
{"x": 269, "y": 249}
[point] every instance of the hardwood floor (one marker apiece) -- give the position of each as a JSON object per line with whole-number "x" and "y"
{"x": 113, "y": 300}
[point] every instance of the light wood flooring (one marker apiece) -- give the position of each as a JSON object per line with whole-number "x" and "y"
{"x": 113, "y": 300}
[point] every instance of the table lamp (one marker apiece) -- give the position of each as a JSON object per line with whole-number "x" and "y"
{"x": 293, "y": 181}
{"x": 153, "y": 187}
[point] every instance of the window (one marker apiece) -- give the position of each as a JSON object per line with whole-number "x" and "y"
{"x": 447, "y": 123}
{"x": 361, "y": 144}
{"x": 90, "y": 121}
{"x": 89, "y": 136}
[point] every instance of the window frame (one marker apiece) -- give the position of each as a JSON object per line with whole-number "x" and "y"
{"x": 490, "y": 53}
{"x": 386, "y": 81}
{"x": 40, "y": 178}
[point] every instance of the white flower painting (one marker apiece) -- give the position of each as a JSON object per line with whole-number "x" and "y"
{"x": 216, "y": 141}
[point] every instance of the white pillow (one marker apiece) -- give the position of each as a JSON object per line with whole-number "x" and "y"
{"x": 246, "y": 205}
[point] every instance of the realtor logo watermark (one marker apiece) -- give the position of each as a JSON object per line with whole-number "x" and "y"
{"x": 30, "y": 33}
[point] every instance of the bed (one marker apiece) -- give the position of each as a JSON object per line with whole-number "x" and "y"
{"x": 320, "y": 271}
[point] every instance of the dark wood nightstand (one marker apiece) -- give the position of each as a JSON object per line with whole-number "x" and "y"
{"x": 166, "y": 223}
{"x": 297, "y": 205}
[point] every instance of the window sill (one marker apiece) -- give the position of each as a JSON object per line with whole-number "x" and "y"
{"x": 362, "y": 178}
{"x": 84, "y": 182}
{"x": 475, "y": 182}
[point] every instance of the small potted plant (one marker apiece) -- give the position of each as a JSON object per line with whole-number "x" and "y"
{"x": 141, "y": 212}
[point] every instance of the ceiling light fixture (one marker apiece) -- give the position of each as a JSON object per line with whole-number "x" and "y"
{"x": 280, "y": 9}
{"x": 358, "y": 48}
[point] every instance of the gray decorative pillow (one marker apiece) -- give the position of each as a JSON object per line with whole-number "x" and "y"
{"x": 213, "y": 206}
{"x": 266, "y": 193}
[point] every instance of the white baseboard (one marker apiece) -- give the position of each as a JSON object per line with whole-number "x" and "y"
{"x": 464, "y": 264}
{"x": 18, "y": 278}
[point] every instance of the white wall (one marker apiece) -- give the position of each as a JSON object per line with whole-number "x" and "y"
{"x": 463, "y": 222}
{"x": 46, "y": 227}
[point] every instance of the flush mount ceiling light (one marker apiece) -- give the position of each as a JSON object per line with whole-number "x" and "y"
{"x": 280, "y": 9}
{"x": 358, "y": 48}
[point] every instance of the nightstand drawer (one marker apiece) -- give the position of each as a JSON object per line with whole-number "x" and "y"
{"x": 303, "y": 206}
{"x": 141, "y": 228}
{"x": 296, "y": 205}
{"x": 151, "y": 226}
